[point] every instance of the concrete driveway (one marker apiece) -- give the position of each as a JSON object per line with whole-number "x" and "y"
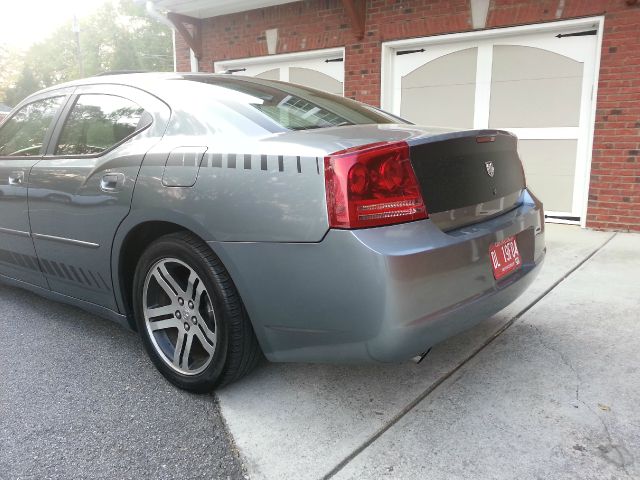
{"x": 548, "y": 388}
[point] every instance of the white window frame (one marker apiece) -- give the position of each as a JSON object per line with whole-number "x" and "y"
{"x": 389, "y": 48}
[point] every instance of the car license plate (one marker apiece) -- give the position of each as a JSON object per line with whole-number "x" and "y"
{"x": 505, "y": 257}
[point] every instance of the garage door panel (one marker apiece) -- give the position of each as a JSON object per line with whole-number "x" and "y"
{"x": 517, "y": 62}
{"x": 454, "y": 68}
{"x": 550, "y": 167}
{"x": 531, "y": 87}
{"x": 556, "y": 193}
{"x": 552, "y": 157}
{"x": 273, "y": 74}
{"x": 442, "y": 91}
{"x": 546, "y": 102}
{"x": 439, "y": 106}
{"x": 314, "y": 79}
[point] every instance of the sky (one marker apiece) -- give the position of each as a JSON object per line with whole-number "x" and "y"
{"x": 24, "y": 22}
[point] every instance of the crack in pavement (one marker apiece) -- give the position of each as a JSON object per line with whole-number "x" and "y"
{"x": 622, "y": 452}
{"x": 411, "y": 405}
{"x": 563, "y": 357}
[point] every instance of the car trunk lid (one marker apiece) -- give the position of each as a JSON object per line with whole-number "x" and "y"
{"x": 451, "y": 166}
{"x": 467, "y": 177}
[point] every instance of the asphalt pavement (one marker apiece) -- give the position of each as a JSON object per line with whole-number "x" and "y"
{"x": 79, "y": 399}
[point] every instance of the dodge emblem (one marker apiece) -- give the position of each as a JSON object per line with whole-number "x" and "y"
{"x": 490, "y": 168}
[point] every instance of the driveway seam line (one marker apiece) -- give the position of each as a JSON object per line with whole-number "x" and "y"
{"x": 414, "y": 403}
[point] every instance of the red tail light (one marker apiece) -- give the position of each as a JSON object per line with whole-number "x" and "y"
{"x": 372, "y": 185}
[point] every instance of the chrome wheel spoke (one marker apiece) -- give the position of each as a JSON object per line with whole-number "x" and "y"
{"x": 164, "y": 324}
{"x": 154, "y": 312}
{"x": 206, "y": 344}
{"x": 199, "y": 291}
{"x": 167, "y": 282}
{"x": 179, "y": 347}
{"x": 206, "y": 336}
{"x": 187, "y": 351}
{"x": 192, "y": 285}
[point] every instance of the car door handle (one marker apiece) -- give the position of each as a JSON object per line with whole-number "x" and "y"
{"x": 16, "y": 178}
{"x": 112, "y": 182}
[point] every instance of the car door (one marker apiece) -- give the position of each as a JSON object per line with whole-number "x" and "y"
{"x": 81, "y": 189}
{"x": 23, "y": 138}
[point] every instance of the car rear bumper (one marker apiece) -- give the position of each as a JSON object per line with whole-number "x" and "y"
{"x": 384, "y": 294}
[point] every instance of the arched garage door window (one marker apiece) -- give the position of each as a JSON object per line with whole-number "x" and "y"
{"x": 320, "y": 69}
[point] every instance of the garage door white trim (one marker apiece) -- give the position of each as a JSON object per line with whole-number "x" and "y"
{"x": 441, "y": 44}
{"x": 268, "y": 62}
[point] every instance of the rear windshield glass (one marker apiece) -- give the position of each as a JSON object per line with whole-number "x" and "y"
{"x": 295, "y": 107}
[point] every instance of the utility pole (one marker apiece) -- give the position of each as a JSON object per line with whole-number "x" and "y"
{"x": 76, "y": 30}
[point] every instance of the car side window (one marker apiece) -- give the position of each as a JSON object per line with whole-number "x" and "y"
{"x": 98, "y": 122}
{"x": 23, "y": 134}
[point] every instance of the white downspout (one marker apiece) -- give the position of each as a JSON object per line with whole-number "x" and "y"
{"x": 175, "y": 56}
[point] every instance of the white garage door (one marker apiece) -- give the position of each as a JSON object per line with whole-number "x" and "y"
{"x": 320, "y": 69}
{"x": 537, "y": 84}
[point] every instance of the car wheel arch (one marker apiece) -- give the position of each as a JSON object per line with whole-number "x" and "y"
{"x": 130, "y": 241}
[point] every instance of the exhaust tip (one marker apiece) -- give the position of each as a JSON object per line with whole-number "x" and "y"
{"x": 418, "y": 358}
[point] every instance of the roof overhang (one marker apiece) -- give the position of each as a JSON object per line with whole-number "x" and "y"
{"x": 213, "y": 8}
{"x": 186, "y": 15}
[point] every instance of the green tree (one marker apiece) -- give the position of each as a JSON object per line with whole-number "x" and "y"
{"x": 10, "y": 68}
{"x": 116, "y": 37}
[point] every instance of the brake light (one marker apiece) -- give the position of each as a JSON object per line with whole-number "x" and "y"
{"x": 372, "y": 185}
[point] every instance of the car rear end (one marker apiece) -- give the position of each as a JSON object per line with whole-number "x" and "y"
{"x": 421, "y": 233}
{"x": 459, "y": 235}
{"x": 427, "y": 235}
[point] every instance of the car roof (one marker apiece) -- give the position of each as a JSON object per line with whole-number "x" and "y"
{"x": 153, "y": 82}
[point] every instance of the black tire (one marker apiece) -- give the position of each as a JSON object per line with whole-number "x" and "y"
{"x": 236, "y": 351}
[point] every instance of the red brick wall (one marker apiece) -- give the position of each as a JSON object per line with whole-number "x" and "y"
{"x": 614, "y": 196}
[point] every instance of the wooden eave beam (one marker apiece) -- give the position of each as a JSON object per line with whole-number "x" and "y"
{"x": 193, "y": 39}
{"x": 356, "y": 10}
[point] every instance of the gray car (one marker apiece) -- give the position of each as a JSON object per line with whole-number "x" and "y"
{"x": 224, "y": 218}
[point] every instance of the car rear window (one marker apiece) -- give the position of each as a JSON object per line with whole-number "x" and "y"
{"x": 295, "y": 107}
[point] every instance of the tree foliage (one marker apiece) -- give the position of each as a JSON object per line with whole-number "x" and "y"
{"x": 118, "y": 36}
{"x": 10, "y": 68}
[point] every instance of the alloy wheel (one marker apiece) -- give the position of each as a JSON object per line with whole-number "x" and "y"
{"x": 179, "y": 316}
